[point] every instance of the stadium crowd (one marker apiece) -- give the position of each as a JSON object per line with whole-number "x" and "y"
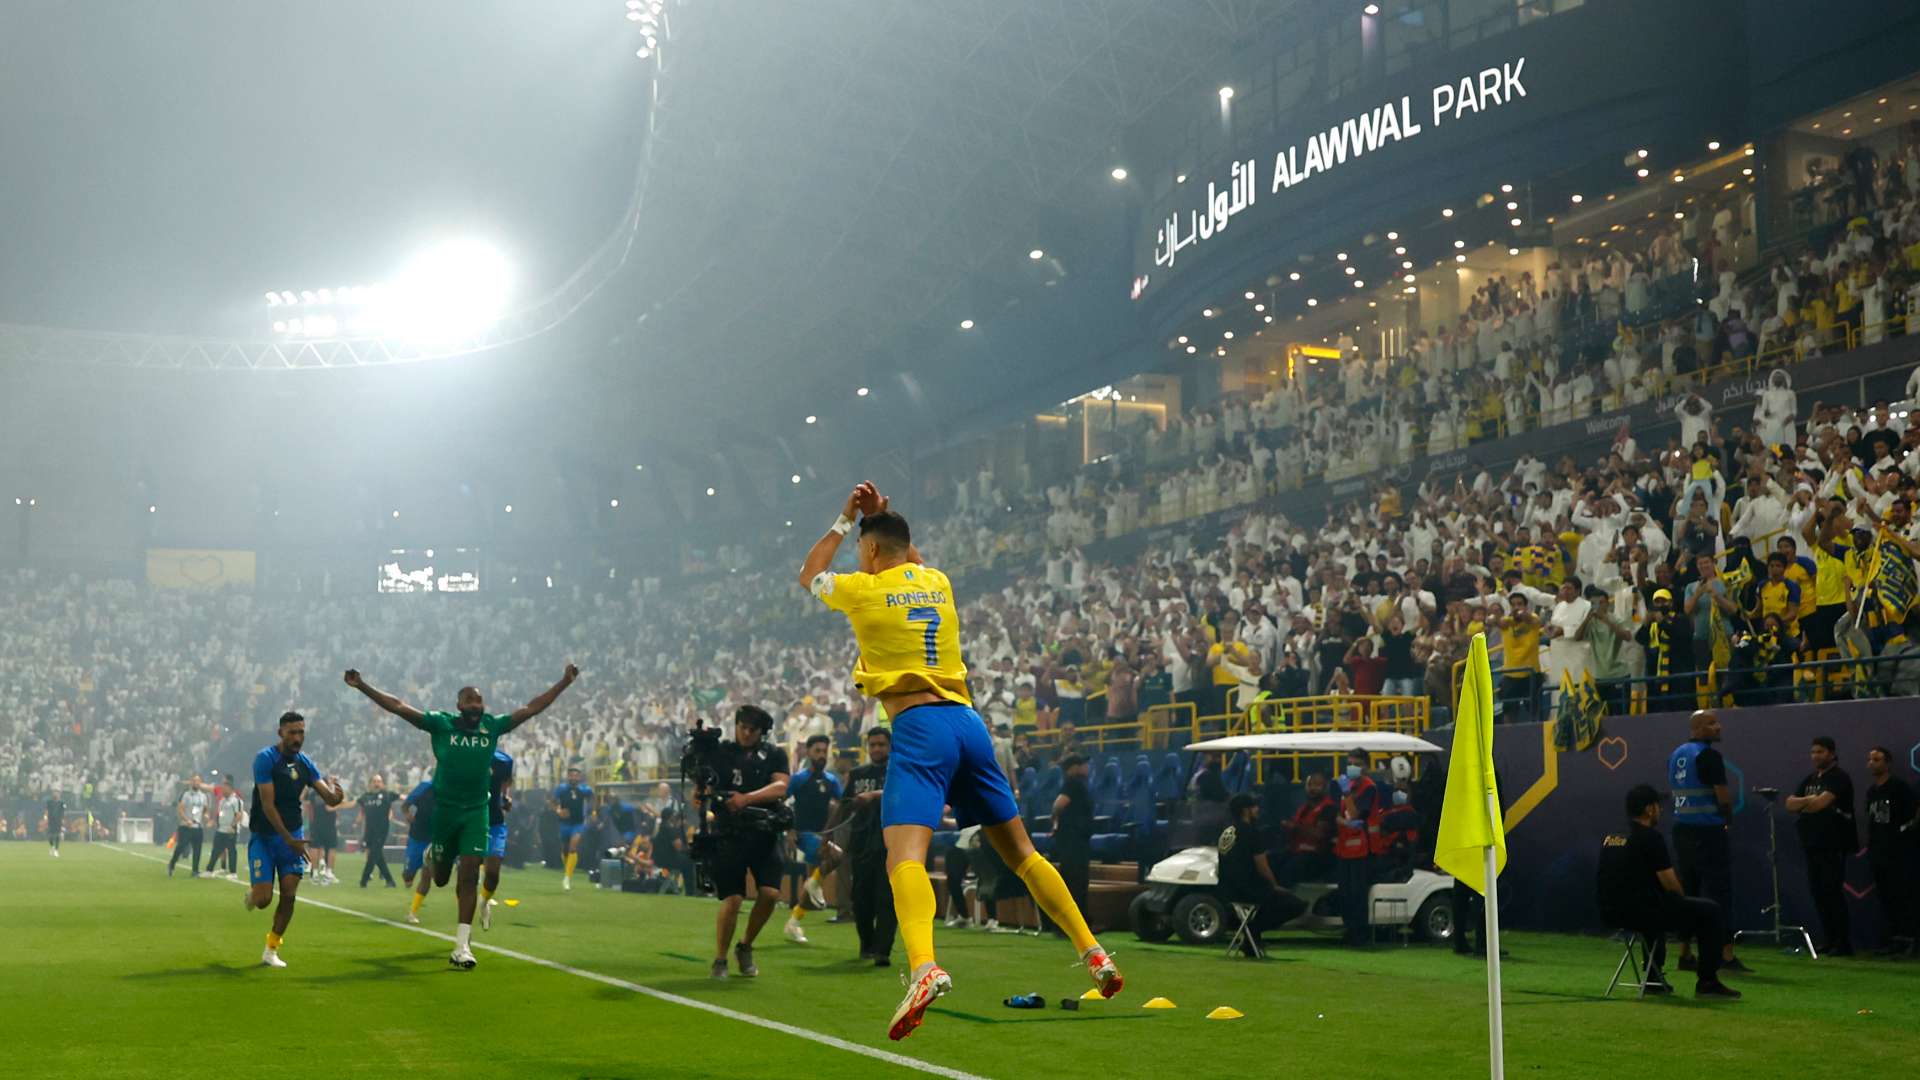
{"x": 113, "y": 692}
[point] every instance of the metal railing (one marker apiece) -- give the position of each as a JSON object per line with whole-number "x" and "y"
{"x": 1825, "y": 676}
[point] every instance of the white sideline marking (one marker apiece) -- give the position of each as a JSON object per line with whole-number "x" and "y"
{"x": 887, "y": 1056}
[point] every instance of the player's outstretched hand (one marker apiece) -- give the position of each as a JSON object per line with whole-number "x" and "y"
{"x": 353, "y": 678}
{"x": 573, "y": 672}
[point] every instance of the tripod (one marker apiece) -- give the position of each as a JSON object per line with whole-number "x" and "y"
{"x": 1780, "y": 930}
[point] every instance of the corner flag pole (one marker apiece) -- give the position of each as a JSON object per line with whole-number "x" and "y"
{"x": 1472, "y": 842}
{"x": 1496, "y": 1025}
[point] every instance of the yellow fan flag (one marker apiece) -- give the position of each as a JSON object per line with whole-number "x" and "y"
{"x": 1467, "y": 828}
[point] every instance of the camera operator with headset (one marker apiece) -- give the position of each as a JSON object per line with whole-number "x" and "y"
{"x": 744, "y": 783}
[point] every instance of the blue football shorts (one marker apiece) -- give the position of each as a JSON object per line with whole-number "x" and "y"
{"x": 809, "y": 845}
{"x": 270, "y": 858}
{"x": 943, "y": 756}
{"x": 416, "y": 854}
{"x": 497, "y": 841}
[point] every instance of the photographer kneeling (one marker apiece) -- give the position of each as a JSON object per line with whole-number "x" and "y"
{"x": 750, "y": 815}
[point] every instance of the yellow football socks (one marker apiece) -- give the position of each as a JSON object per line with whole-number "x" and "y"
{"x": 572, "y": 857}
{"x": 273, "y": 940}
{"x": 914, "y": 904}
{"x": 417, "y": 901}
{"x": 1049, "y": 890}
{"x": 486, "y": 894}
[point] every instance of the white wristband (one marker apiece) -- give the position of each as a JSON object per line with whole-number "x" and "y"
{"x": 842, "y": 525}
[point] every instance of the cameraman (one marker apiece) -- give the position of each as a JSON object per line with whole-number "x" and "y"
{"x": 750, "y": 782}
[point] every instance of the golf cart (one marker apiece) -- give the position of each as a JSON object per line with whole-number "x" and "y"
{"x": 1182, "y": 894}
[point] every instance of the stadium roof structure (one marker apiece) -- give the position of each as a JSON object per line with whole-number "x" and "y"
{"x": 805, "y": 188}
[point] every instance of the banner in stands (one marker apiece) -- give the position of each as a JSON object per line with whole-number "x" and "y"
{"x": 1560, "y": 805}
{"x": 1860, "y": 377}
{"x": 199, "y": 568}
{"x": 1541, "y": 87}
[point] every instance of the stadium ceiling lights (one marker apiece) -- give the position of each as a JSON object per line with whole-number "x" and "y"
{"x": 451, "y": 292}
{"x": 1119, "y": 173}
{"x": 812, "y": 419}
{"x": 1036, "y": 254}
{"x": 966, "y": 324}
{"x": 508, "y": 508}
{"x": 1447, "y": 212}
{"x": 1370, "y": 9}
{"x": 1226, "y": 94}
{"x": 613, "y": 504}
{"x": 862, "y": 392}
{"x": 709, "y": 491}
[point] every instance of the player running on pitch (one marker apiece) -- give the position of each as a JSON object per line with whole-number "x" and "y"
{"x": 499, "y": 801}
{"x": 278, "y": 849}
{"x": 463, "y": 746}
{"x": 570, "y": 803}
{"x": 908, "y": 629}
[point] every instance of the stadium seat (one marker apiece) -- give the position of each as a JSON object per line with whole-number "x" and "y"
{"x": 1237, "y": 773}
{"x": 1108, "y": 789}
{"x": 1169, "y": 780}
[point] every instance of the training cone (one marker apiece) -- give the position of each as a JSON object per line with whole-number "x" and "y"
{"x": 1159, "y": 1003}
{"x": 1225, "y": 1012}
{"x": 511, "y": 903}
{"x": 1092, "y": 995}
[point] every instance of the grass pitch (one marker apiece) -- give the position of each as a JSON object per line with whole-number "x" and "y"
{"x": 114, "y": 970}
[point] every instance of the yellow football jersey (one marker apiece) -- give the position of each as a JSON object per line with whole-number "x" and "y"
{"x": 907, "y": 627}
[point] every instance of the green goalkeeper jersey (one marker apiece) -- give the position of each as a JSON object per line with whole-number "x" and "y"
{"x": 463, "y": 757}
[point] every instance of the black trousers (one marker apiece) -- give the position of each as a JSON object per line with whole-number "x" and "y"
{"x": 1893, "y": 881}
{"x": 1691, "y": 918}
{"x": 1276, "y": 909}
{"x": 1827, "y": 880}
{"x": 224, "y": 844}
{"x": 1076, "y": 869}
{"x": 1469, "y": 918}
{"x": 873, "y": 916}
{"x": 376, "y": 860}
{"x": 186, "y": 835}
{"x": 1703, "y": 860}
{"x": 957, "y": 868}
{"x": 1355, "y": 878}
{"x": 1293, "y": 868}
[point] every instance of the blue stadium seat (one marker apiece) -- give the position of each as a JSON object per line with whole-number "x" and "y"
{"x": 1169, "y": 780}
{"x": 1108, "y": 790}
{"x": 1237, "y": 772}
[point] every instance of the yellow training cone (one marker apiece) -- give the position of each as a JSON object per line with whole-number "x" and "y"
{"x": 511, "y": 903}
{"x": 1225, "y": 1012}
{"x": 1159, "y": 1003}
{"x": 1092, "y": 995}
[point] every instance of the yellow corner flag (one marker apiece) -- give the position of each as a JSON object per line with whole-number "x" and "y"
{"x": 1467, "y": 825}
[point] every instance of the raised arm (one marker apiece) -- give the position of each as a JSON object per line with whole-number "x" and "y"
{"x": 386, "y": 701}
{"x": 820, "y": 555}
{"x": 539, "y": 705}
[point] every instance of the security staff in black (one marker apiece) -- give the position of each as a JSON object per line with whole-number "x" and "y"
{"x": 1824, "y": 805}
{"x": 376, "y": 817}
{"x": 1073, "y": 832}
{"x": 753, "y": 779}
{"x": 1702, "y": 811}
{"x": 1638, "y": 890}
{"x": 1246, "y": 872}
{"x": 1893, "y": 850}
{"x": 859, "y": 811}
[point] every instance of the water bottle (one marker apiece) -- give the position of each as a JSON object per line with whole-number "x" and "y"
{"x": 1026, "y": 1001}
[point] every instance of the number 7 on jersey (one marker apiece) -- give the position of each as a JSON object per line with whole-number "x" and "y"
{"x": 930, "y": 616}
